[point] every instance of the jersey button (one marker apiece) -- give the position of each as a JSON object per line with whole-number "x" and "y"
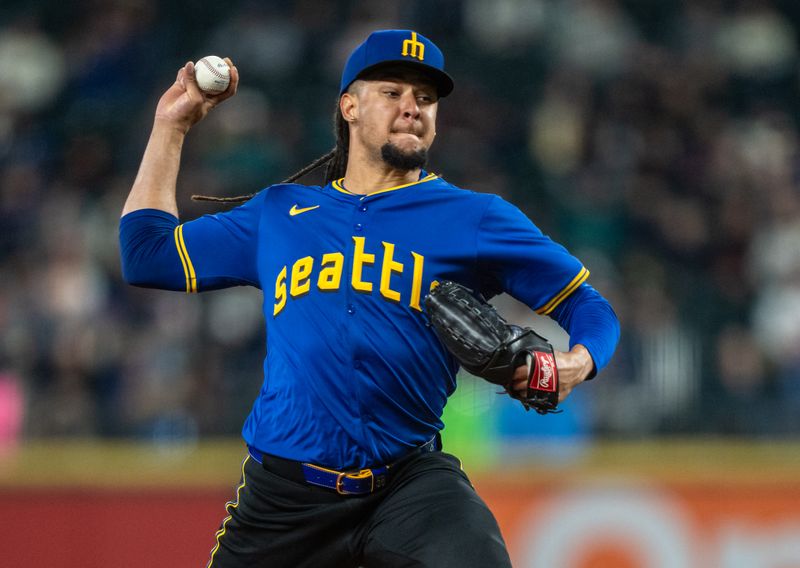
{"x": 359, "y": 227}
{"x": 351, "y": 309}
{"x": 363, "y": 208}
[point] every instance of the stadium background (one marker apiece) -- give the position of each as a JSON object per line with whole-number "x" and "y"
{"x": 657, "y": 140}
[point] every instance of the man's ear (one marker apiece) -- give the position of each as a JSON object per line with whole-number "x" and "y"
{"x": 348, "y": 105}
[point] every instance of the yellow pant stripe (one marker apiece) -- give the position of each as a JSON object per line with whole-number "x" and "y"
{"x": 229, "y": 506}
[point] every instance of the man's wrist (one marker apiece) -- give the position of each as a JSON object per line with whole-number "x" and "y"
{"x": 587, "y": 362}
{"x": 170, "y": 128}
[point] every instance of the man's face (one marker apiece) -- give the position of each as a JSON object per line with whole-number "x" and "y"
{"x": 393, "y": 115}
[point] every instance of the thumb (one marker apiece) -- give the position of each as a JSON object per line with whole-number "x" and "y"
{"x": 190, "y": 81}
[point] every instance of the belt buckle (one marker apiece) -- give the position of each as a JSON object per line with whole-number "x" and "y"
{"x": 360, "y": 475}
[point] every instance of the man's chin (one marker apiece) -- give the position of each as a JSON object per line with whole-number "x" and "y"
{"x": 404, "y": 159}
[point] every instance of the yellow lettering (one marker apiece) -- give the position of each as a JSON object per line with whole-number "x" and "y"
{"x": 295, "y": 280}
{"x": 360, "y": 258}
{"x": 301, "y": 270}
{"x": 413, "y": 47}
{"x": 416, "y": 280}
{"x": 389, "y": 266}
{"x": 280, "y": 292}
{"x": 331, "y": 276}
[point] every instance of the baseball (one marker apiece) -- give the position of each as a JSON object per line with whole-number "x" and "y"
{"x": 213, "y": 74}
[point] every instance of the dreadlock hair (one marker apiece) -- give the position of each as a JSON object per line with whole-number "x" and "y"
{"x": 336, "y": 161}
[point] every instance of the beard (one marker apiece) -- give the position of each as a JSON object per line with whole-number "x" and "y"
{"x": 403, "y": 161}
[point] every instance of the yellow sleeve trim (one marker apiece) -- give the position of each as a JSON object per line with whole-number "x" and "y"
{"x": 188, "y": 268}
{"x": 568, "y": 289}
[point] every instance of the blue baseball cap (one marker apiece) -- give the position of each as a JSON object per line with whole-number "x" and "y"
{"x": 397, "y": 46}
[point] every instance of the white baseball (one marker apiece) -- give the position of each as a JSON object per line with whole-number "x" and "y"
{"x": 213, "y": 74}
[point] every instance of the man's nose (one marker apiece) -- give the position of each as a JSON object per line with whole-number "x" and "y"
{"x": 408, "y": 105}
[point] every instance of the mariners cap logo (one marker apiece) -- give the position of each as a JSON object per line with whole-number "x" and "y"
{"x": 413, "y": 48}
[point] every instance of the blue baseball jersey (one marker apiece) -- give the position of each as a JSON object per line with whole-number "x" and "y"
{"x": 353, "y": 375}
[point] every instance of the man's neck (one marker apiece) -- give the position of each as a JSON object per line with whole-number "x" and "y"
{"x": 364, "y": 177}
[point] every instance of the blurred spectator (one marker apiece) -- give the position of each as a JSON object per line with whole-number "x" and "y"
{"x": 733, "y": 407}
{"x": 756, "y": 41}
{"x": 11, "y": 412}
{"x": 505, "y": 25}
{"x": 36, "y": 65}
{"x": 594, "y": 36}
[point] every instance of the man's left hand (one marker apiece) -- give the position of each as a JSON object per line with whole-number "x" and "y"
{"x": 574, "y": 367}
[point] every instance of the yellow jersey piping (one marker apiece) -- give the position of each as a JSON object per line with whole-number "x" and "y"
{"x": 337, "y": 185}
{"x": 566, "y": 291}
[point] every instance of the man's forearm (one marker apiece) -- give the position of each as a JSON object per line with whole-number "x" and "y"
{"x": 591, "y": 322}
{"x": 154, "y": 187}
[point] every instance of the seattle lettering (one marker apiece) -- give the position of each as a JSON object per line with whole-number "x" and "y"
{"x": 297, "y": 280}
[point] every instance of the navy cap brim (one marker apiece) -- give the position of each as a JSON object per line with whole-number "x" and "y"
{"x": 443, "y": 81}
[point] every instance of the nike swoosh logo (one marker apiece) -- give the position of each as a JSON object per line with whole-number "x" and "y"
{"x": 295, "y": 211}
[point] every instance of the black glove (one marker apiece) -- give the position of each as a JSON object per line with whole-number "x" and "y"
{"x": 490, "y": 348}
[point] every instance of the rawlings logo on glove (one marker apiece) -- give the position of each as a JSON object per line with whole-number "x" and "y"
{"x": 545, "y": 373}
{"x": 490, "y": 348}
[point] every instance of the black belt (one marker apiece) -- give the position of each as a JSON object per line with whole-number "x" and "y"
{"x": 359, "y": 482}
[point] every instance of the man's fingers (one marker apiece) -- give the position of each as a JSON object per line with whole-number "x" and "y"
{"x": 520, "y": 380}
{"x": 234, "y": 83}
{"x": 181, "y": 78}
{"x": 190, "y": 81}
{"x": 234, "y": 77}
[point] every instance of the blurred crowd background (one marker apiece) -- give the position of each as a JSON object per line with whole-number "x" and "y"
{"x": 657, "y": 140}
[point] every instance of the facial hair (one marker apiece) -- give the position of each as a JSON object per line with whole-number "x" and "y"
{"x": 403, "y": 161}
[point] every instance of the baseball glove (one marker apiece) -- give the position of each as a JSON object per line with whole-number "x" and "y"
{"x": 490, "y": 348}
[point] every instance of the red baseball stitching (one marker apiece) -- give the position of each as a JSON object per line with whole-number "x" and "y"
{"x": 212, "y": 69}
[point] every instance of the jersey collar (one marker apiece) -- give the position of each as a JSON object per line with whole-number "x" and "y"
{"x": 423, "y": 177}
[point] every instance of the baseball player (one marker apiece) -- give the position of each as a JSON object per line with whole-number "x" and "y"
{"x": 344, "y": 465}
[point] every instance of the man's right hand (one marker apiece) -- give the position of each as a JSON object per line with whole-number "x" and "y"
{"x": 184, "y": 104}
{"x": 180, "y": 108}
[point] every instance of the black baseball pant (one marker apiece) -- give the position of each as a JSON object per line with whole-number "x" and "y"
{"x": 428, "y": 515}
